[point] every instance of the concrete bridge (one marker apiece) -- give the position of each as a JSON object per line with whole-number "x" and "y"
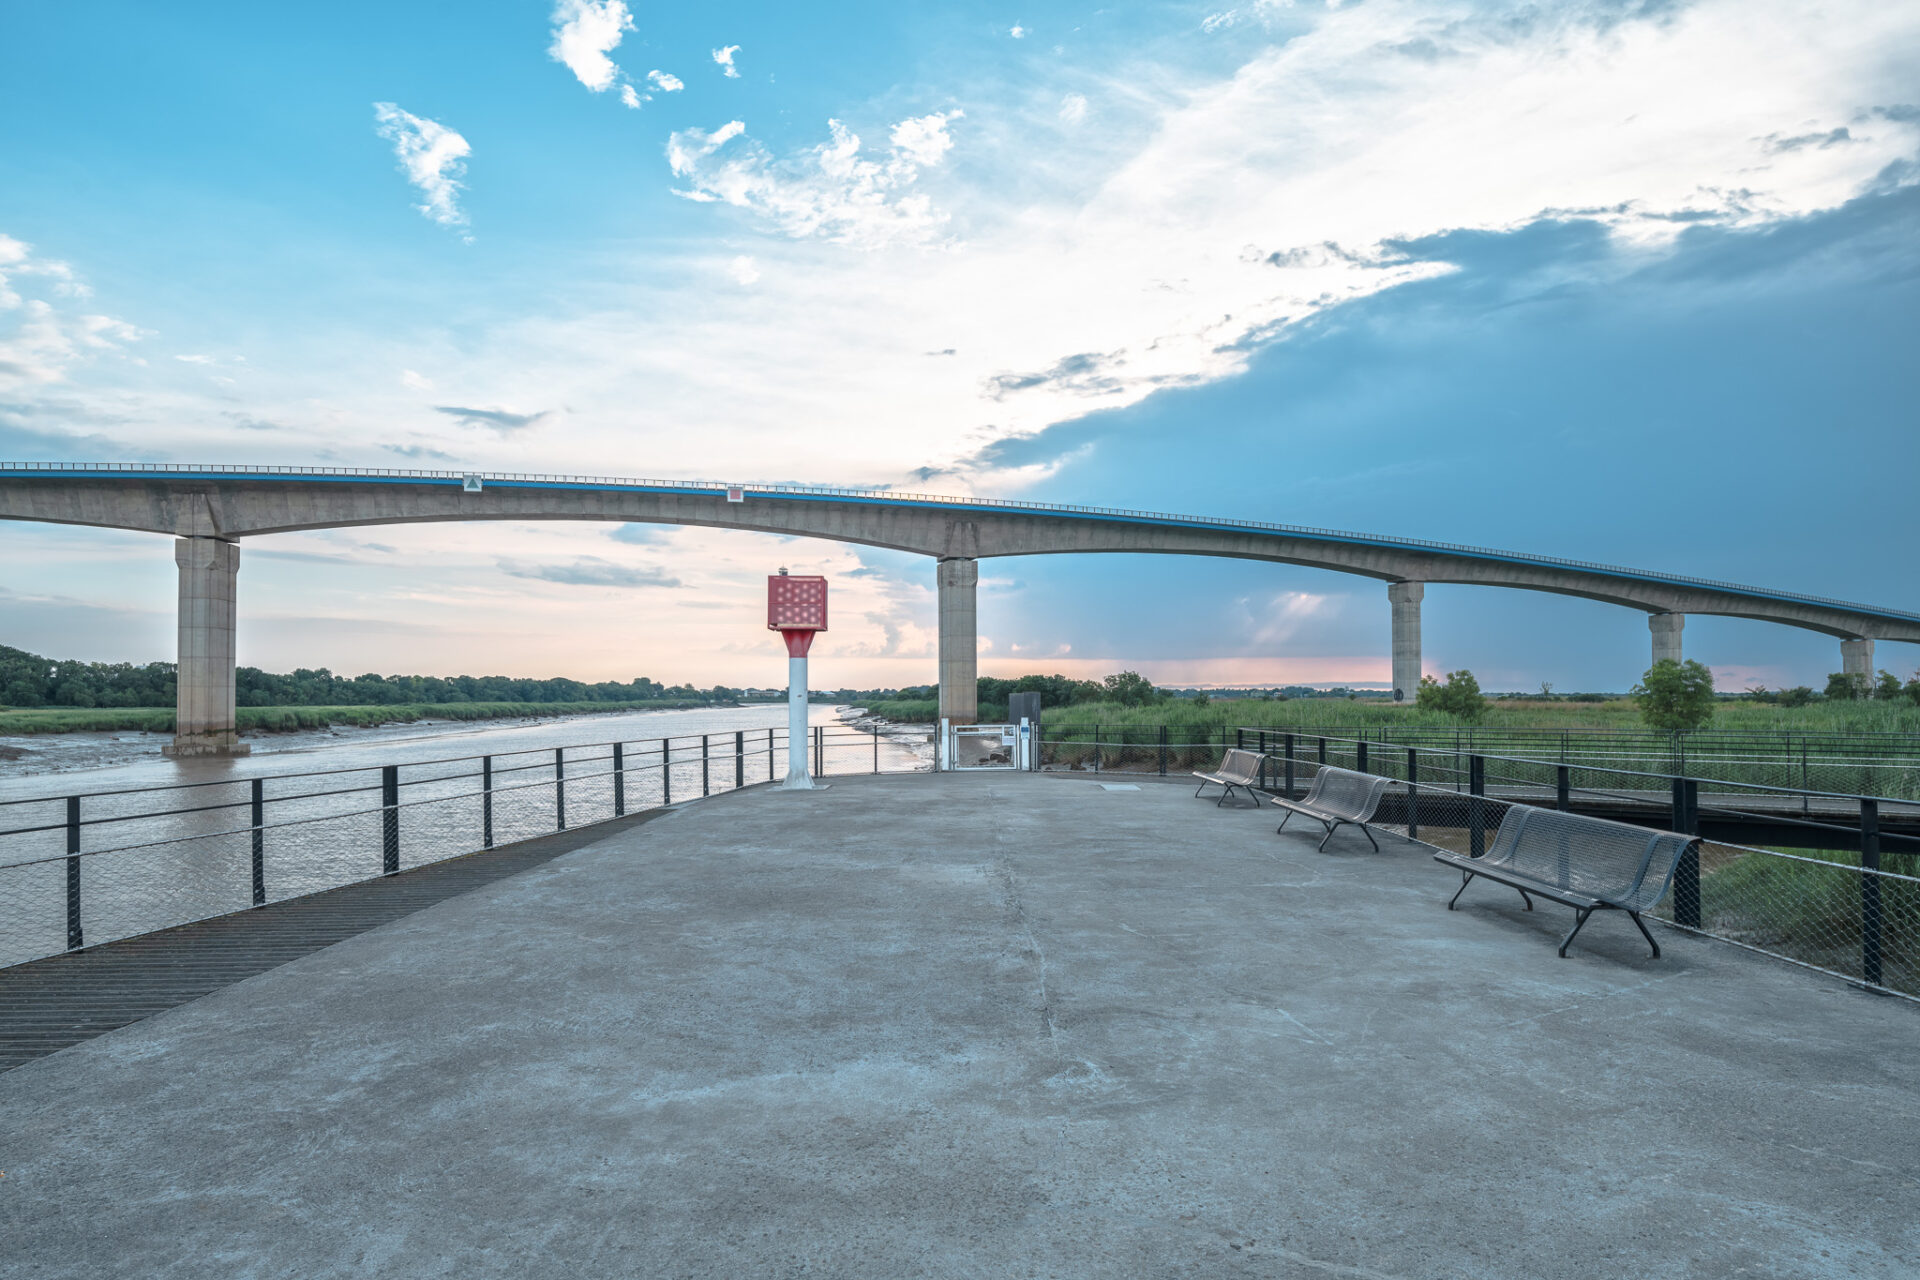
{"x": 209, "y": 509}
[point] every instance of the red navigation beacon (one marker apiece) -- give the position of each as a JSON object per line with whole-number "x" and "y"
{"x": 797, "y": 607}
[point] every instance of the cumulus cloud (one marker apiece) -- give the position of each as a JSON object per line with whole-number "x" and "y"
{"x": 743, "y": 270}
{"x": 501, "y": 420}
{"x": 1017, "y": 31}
{"x": 665, "y": 82}
{"x": 431, "y": 155}
{"x": 41, "y": 333}
{"x": 584, "y": 33}
{"x": 723, "y": 58}
{"x": 832, "y": 191}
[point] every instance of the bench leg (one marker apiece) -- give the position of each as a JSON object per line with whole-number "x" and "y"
{"x": 1283, "y": 823}
{"x": 1331, "y": 828}
{"x": 1370, "y": 839}
{"x": 1466, "y": 878}
{"x": 1643, "y": 933}
{"x": 1526, "y": 897}
{"x": 1577, "y": 924}
{"x": 1197, "y": 790}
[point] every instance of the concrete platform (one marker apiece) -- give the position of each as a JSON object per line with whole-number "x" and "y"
{"x": 981, "y": 1026}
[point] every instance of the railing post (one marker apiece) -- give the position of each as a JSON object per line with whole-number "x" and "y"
{"x": 1360, "y": 755}
{"x": 1096, "y": 748}
{"x": 75, "y": 937}
{"x": 1563, "y": 789}
{"x": 619, "y": 781}
{"x": 706, "y": 780}
{"x": 486, "y": 802}
{"x": 1239, "y": 739}
{"x": 1413, "y": 794}
{"x": 1287, "y": 790}
{"x": 389, "y": 819}
{"x": 876, "y": 747}
{"x": 1476, "y": 806}
{"x": 666, "y": 771}
{"x": 1163, "y": 751}
{"x": 1686, "y": 877}
{"x": 739, "y": 758}
{"x": 819, "y": 751}
{"x": 259, "y": 816}
{"x": 1870, "y": 914}
{"x": 1323, "y": 751}
{"x": 559, "y": 788}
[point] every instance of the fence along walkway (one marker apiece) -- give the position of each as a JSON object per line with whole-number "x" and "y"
{"x": 1852, "y": 912}
{"x": 166, "y": 856}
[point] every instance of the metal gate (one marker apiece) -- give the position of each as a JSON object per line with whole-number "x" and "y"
{"x": 972, "y": 747}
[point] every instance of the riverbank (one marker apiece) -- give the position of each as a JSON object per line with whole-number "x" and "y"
{"x": 42, "y": 720}
{"x": 77, "y": 751}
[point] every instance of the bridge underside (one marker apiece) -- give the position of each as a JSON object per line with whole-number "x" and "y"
{"x": 209, "y": 515}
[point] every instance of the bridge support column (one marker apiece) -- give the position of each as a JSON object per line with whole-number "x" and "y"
{"x": 1666, "y": 629}
{"x": 959, "y": 641}
{"x": 1406, "y": 597}
{"x": 1856, "y": 660}
{"x": 203, "y": 707}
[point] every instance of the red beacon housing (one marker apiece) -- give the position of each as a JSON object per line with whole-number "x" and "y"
{"x": 796, "y": 607}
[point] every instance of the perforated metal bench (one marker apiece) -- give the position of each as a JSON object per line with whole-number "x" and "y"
{"x": 1238, "y": 771}
{"x": 1589, "y": 864}
{"x": 1338, "y": 797}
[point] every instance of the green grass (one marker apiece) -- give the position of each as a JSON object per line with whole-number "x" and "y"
{"x": 287, "y": 719}
{"x": 1621, "y": 713}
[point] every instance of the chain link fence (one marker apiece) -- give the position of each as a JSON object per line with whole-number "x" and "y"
{"x": 80, "y": 870}
{"x": 1828, "y": 880}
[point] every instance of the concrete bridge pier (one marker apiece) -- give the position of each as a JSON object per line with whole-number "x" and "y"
{"x": 1856, "y": 660}
{"x": 1406, "y": 597}
{"x": 1666, "y": 628}
{"x": 959, "y": 641}
{"x": 204, "y": 698}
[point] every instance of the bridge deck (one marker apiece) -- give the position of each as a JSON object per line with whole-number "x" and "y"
{"x": 980, "y": 1025}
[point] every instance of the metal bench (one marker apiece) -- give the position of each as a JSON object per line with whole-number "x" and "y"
{"x": 1589, "y": 864}
{"x": 1338, "y": 796}
{"x": 1238, "y": 771}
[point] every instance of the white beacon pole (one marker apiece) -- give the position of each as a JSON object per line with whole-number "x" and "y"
{"x": 797, "y": 609}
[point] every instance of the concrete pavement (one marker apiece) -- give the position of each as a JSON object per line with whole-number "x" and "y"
{"x": 981, "y": 1025}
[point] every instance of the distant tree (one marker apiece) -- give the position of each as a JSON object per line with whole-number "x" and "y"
{"x": 1912, "y": 689}
{"x": 1546, "y": 691}
{"x": 1760, "y": 693}
{"x": 1675, "y": 697}
{"x": 1130, "y": 689}
{"x": 1844, "y": 686}
{"x": 1201, "y": 699}
{"x": 1887, "y": 686}
{"x": 1459, "y": 696}
{"x": 1800, "y": 695}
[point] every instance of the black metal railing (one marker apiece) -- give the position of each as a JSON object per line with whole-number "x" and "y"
{"x": 167, "y": 855}
{"x": 1825, "y": 879}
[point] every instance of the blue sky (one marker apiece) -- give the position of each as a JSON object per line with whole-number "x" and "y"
{"x": 1632, "y": 282}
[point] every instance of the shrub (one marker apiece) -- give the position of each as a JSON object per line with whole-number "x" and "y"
{"x": 1675, "y": 697}
{"x": 1459, "y": 696}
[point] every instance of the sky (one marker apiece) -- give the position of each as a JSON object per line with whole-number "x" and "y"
{"x": 1632, "y": 281}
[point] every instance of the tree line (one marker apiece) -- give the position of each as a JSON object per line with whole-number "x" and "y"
{"x": 29, "y": 680}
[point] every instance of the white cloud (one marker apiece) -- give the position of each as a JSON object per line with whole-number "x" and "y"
{"x": 584, "y": 33}
{"x": 414, "y": 381}
{"x": 831, "y": 191}
{"x": 724, "y": 59}
{"x": 743, "y": 270}
{"x": 632, "y": 97}
{"x": 431, "y": 155}
{"x": 665, "y": 81}
{"x": 1073, "y": 108}
{"x": 1017, "y": 31}
{"x": 41, "y": 337}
